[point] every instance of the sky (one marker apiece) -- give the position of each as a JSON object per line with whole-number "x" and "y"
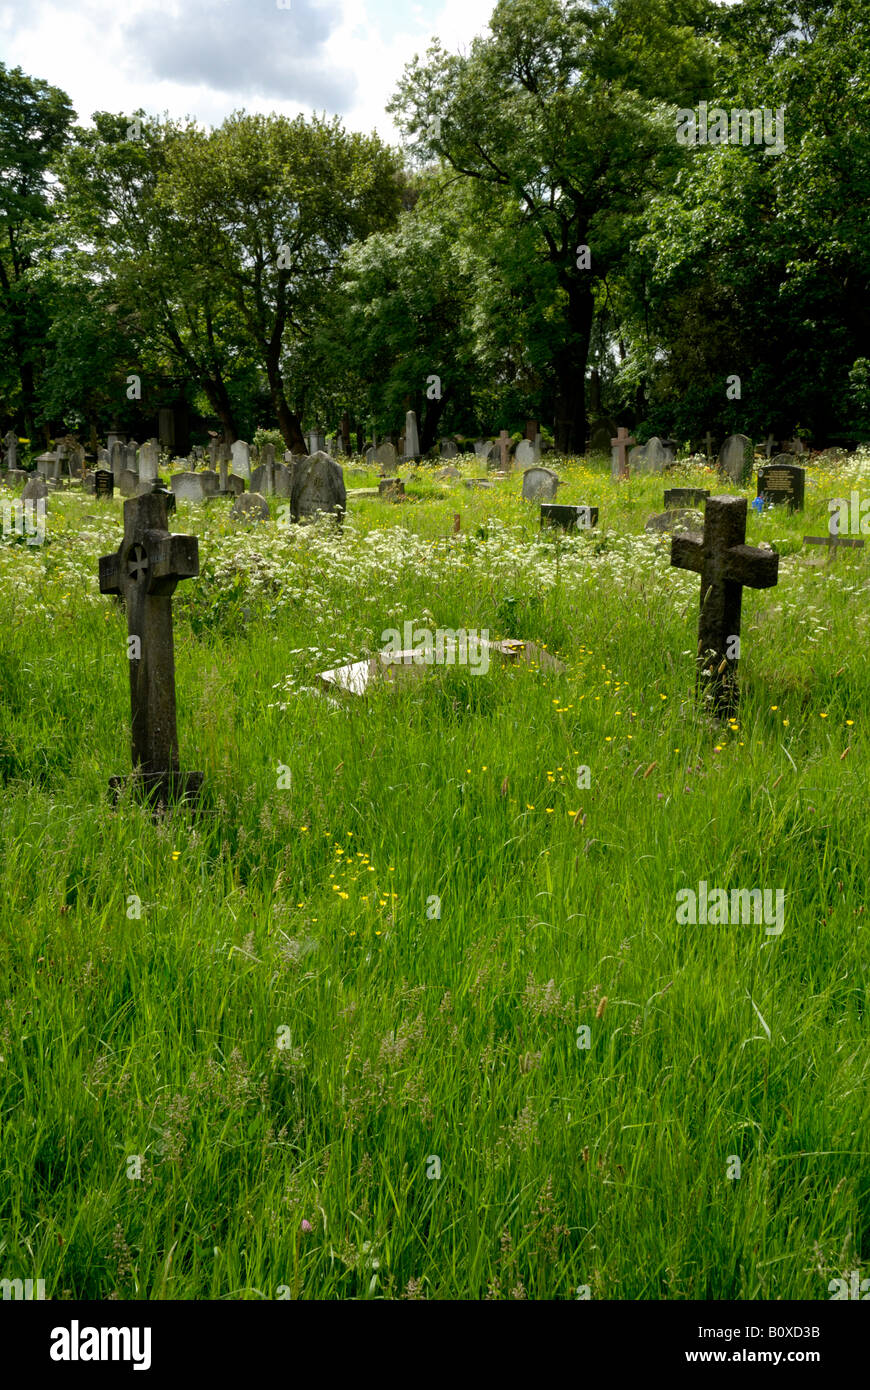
{"x": 207, "y": 58}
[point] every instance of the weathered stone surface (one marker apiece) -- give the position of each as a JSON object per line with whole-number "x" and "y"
{"x": 540, "y": 484}
{"x": 650, "y": 457}
{"x": 35, "y": 489}
{"x": 392, "y": 489}
{"x": 187, "y": 487}
{"x": 527, "y": 453}
{"x": 444, "y": 474}
{"x": 249, "y": 508}
{"x": 386, "y": 458}
{"x": 736, "y": 458}
{"x": 678, "y": 519}
{"x": 317, "y": 486}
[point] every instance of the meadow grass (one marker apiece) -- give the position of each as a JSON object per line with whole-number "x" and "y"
{"x": 237, "y": 1047}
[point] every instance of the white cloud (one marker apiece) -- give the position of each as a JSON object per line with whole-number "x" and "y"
{"x": 206, "y": 58}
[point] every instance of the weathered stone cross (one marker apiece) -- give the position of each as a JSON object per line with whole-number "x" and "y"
{"x": 708, "y": 445}
{"x": 504, "y": 440}
{"x": 145, "y": 570}
{"x": 725, "y": 565}
{"x": 620, "y": 444}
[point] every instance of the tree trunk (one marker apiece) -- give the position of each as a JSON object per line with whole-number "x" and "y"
{"x": 434, "y": 411}
{"x": 288, "y": 423}
{"x": 570, "y": 369}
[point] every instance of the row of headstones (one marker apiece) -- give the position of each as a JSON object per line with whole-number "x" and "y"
{"x": 735, "y": 458}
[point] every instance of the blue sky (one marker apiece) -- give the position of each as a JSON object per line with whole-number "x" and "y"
{"x": 206, "y": 58}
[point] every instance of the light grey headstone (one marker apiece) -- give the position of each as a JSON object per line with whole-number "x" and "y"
{"x": 386, "y": 458}
{"x": 10, "y": 444}
{"x": 241, "y": 452}
{"x": 211, "y": 482}
{"x": 128, "y": 483}
{"x": 539, "y": 484}
{"x": 318, "y": 486}
{"x": 187, "y": 487}
{"x": 149, "y": 460}
{"x": 283, "y": 478}
{"x": 113, "y": 438}
{"x": 46, "y": 464}
{"x": 650, "y": 457}
{"x": 250, "y": 507}
{"x": 449, "y": 448}
{"x": 527, "y": 453}
{"x": 448, "y": 472}
{"x": 370, "y": 455}
{"x": 736, "y": 457}
{"x": 131, "y": 457}
{"x": 412, "y": 436}
{"x": 117, "y": 458}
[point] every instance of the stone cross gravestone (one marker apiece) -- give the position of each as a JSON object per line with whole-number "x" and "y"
{"x": 145, "y": 571}
{"x": 10, "y": 442}
{"x": 736, "y": 456}
{"x": 725, "y": 564}
{"x": 540, "y": 484}
{"x": 783, "y": 483}
{"x": 619, "y": 447}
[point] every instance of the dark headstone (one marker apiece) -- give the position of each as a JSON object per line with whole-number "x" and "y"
{"x": 783, "y": 483}
{"x": 570, "y": 518}
{"x": 104, "y": 483}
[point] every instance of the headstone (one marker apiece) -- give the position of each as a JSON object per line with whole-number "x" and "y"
{"x": 129, "y": 484}
{"x": 526, "y": 453}
{"x": 678, "y": 519}
{"x": 211, "y": 483}
{"x": 131, "y": 456}
{"x": 250, "y": 507}
{"x": 145, "y": 571}
{"x": 393, "y": 489}
{"x": 160, "y": 490}
{"x": 318, "y": 486}
{"x": 650, "y": 457}
{"x": 113, "y": 438}
{"x": 103, "y": 460}
{"x": 482, "y": 448}
{"x": 449, "y": 448}
{"x": 478, "y": 483}
{"x": 35, "y": 490}
{"x": 370, "y": 456}
{"x": 783, "y": 483}
{"x": 449, "y": 472}
{"x": 736, "y": 457}
{"x": 117, "y": 458}
{"x": 46, "y": 464}
{"x": 504, "y": 450}
{"x": 241, "y": 452}
{"x": 570, "y": 518}
{"x": 539, "y": 484}
{"x": 16, "y": 476}
{"x": 769, "y": 446}
{"x": 386, "y": 458}
{"x": 10, "y": 444}
{"x": 725, "y": 564}
{"x": 796, "y": 446}
{"x": 618, "y": 448}
{"x": 282, "y": 478}
{"x": 187, "y": 487}
{"x": 685, "y": 496}
{"x": 532, "y": 431}
{"x": 104, "y": 483}
{"x": 212, "y": 451}
{"x": 149, "y": 460}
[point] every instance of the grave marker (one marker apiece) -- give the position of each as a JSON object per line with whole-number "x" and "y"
{"x": 619, "y": 446}
{"x": 783, "y": 483}
{"x": 725, "y": 564}
{"x": 736, "y": 458}
{"x": 145, "y": 570}
{"x": 570, "y": 518}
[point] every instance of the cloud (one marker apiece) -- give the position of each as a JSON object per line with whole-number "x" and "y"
{"x": 241, "y": 49}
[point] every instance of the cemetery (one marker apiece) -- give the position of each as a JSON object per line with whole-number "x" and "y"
{"x": 366, "y": 756}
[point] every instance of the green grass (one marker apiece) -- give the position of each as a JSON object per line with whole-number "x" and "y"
{"x": 288, "y": 1032}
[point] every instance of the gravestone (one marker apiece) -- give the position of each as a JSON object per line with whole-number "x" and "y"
{"x": 783, "y": 483}
{"x": 482, "y": 448}
{"x": 504, "y": 450}
{"x": 412, "y": 436}
{"x": 619, "y": 447}
{"x": 104, "y": 483}
{"x": 35, "y": 490}
{"x": 103, "y": 460}
{"x": 768, "y": 446}
{"x": 736, "y": 457}
{"x": 10, "y": 444}
{"x": 160, "y": 490}
{"x": 677, "y": 519}
{"x": 149, "y": 460}
{"x": 318, "y": 486}
{"x": 449, "y": 449}
{"x": 211, "y": 483}
{"x": 117, "y": 458}
{"x": 241, "y": 452}
{"x": 282, "y": 477}
{"x": 478, "y": 483}
{"x": 187, "y": 487}
{"x": 539, "y": 484}
{"x": 527, "y": 453}
{"x": 685, "y": 496}
{"x": 393, "y": 489}
{"x": 113, "y": 438}
{"x": 213, "y": 452}
{"x": 570, "y": 518}
{"x": 650, "y": 457}
{"x": 834, "y": 543}
{"x": 386, "y": 458}
{"x": 76, "y": 459}
{"x": 449, "y": 472}
{"x": 16, "y": 476}
{"x": 131, "y": 456}
{"x": 145, "y": 571}
{"x": 129, "y": 484}
{"x": 726, "y": 564}
{"x": 48, "y": 465}
{"x": 600, "y": 437}
{"x": 796, "y": 446}
{"x": 250, "y": 507}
